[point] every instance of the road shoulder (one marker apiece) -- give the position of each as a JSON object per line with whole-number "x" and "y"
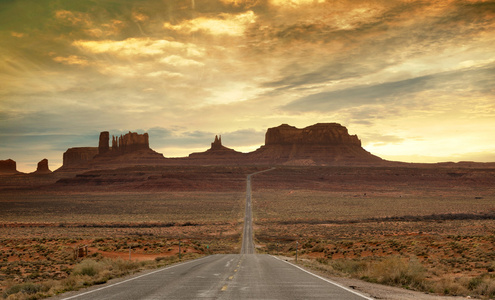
{"x": 374, "y": 290}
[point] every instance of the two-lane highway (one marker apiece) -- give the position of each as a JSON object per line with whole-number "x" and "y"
{"x": 231, "y": 276}
{"x": 247, "y": 234}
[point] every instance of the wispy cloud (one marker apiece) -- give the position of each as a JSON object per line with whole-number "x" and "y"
{"x": 397, "y": 92}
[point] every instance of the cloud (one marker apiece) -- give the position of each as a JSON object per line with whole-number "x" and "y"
{"x": 85, "y": 23}
{"x": 295, "y": 3}
{"x": 397, "y": 92}
{"x": 137, "y": 47}
{"x": 179, "y": 61}
{"x": 223, "y": 24}
{"x": 72, "y": 60}
{"x": 355, "y": 96}
{"x": 74, "y": 18}
{"x": 380, "y": 139}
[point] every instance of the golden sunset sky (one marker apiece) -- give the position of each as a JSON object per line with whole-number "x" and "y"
{"x": 415, "y": 80}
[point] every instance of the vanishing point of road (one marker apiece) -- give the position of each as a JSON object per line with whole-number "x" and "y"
{"x": 230, "y": 276}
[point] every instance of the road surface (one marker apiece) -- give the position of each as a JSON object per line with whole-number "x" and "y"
{"x": 247, "y": 234}
{"x": 231, "y": 276}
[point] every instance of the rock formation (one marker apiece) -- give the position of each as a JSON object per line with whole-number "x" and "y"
{"x": 319, "y": 134}
{"x": 8, "y": 166}
{"x": 129, "y": 149}
{"x": 217, "y": 150}
{"x": 103, "y": 143}
{"x": 217, "y": 143}
{"x": 43, "y": 167}
{"x": 129, "y": 142}
{"x": 75, "y": 157}
{"x": 319, "y": 144}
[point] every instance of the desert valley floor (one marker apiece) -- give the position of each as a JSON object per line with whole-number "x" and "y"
{"x": 420, "y": 227}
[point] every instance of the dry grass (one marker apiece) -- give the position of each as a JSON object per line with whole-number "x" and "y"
{"x": 85, "y": 273}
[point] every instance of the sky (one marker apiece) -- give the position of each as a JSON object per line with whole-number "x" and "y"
{"x": 415, "y": 80}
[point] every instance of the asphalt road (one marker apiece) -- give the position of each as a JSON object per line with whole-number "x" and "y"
{"x": 230, "y": 276}
{"x": 247, "y": 234}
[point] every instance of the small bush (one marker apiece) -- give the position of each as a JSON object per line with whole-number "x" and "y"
{"x": 398, "y": 271}
{"x": 87, "y": 267}
{"x": 25, "y": 288}
{"x": 474, "y": 283}
{"x": 351, "y": 267}
{"x": 448, "y": 285}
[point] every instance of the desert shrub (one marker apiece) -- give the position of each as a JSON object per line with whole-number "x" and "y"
{"x": 87, "y": 267}
{"x": 397, "y": 271}
{"x": 449, "y": 285}
{"x": 23, "y": 288}
{"x": 474, "y": 283}
{"x": 122, "y": 267}
{"x": 351, "y": 267}
{"x": 482, "y": 286}
{"x": 68, "y": 284}
{"x": 318, "y": 248}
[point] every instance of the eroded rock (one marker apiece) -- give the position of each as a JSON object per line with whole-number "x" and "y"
{"x": 8, "y": 166}
{"x": 43, "y": 167}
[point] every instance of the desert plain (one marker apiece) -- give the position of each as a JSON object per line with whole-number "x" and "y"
{"x": 428, "y": 228}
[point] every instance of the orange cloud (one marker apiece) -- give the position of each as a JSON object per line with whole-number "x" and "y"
{"x": 225, "y": 24}
{"x": 17, "y": 34}
{"x": 139, "y": 17}
{"x": 295, "y": 3}
{"x": 71, "y": 60}
{"x": 75, "y": 18}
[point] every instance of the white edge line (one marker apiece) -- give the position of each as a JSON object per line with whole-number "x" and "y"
{"x": 324, "y": 279}
{"x": 130, "y": 279}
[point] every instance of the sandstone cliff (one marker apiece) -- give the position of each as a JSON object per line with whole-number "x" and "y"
{"x": 129, "y": 149}
{"x": 129, "y": 142}
{"x": 103, "y": 143}
{"x": 319, "y": 134}
{"x": 78, "y": 156}
{"x": 8, "y": 166}
{"x": 319, "y": 144}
